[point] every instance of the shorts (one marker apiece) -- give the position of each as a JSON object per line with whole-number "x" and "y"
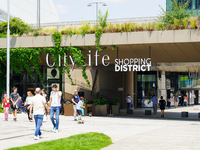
{"x": 13, "y": 107}
{"x": 79, "y": 112}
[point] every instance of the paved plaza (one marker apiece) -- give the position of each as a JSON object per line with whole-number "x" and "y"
{"x": 126, "y": 132}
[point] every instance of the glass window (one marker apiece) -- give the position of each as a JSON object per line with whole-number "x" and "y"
{"x": 146, "y": 88}
{"x": 197, "y": 4}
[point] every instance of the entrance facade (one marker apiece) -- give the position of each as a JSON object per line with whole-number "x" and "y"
{"x": 25, "y": 83}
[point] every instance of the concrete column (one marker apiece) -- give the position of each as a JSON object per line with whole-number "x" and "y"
{"x": 191, "y": 97}
{"x": 162, "y": 91}
{"x": 128, "y": 87}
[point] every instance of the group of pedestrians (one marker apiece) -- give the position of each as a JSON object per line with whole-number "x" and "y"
{"x": 161, "y": 103}
{"x": 35, "y": 106}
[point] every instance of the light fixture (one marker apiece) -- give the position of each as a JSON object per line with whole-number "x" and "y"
{"x": 104, "y": 4}
{"x": 89, "y": 5}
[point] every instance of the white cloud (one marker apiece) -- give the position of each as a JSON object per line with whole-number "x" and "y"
{"x": 62, "y": 9}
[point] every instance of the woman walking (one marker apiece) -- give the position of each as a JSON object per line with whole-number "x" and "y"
{"x": 27, "y": 104}
{"x": 162, "y": 104}
{"x": 44, "y": 94}
{"x": 5, "y": 105}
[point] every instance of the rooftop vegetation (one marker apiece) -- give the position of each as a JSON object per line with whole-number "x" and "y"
{"x": 176, "y": 18}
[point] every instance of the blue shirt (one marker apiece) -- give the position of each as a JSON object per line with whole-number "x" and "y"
{"x": 154, "y": 100}
{"x": 19, "y": 102}
{"x": 79, "y": 105}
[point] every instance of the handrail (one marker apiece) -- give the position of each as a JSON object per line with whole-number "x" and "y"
{"x": 93, "y": 22}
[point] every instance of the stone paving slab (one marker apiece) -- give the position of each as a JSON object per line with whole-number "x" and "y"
{"x": 126, "y": 132}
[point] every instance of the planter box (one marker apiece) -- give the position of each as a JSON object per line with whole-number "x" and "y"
{"x": 100, "y": 110}
{"x": 115, "y": 109}
{"x": 68, "y": 110}
{"x": 85, "y": 110}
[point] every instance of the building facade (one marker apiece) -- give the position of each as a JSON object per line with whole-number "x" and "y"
{"x": 193, "y": 4}
{"x": 175, "y": 66}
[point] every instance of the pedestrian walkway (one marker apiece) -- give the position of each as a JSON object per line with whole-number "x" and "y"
{"x": 170, "y": 113}
{"x": 127, "y": 133}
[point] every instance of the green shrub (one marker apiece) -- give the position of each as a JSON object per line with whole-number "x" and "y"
{"x": 193, "y": 21}
{"x": 175, "y": 11}
{"x": 17, "y": 27}
{"x": 185, "y": 22}
{"x": 102, "y": 19}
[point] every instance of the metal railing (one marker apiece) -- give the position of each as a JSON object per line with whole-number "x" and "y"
{"x": 139, "y": 20}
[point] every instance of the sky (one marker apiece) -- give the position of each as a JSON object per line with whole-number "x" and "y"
{"x": 77, "y": 10}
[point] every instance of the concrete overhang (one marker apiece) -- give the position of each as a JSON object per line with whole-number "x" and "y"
{"x": 170, "y": 46}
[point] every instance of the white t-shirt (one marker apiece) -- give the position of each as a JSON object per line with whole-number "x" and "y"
{"x": 128, "y": 98}
{"x": 38, "y": 104}
{"x": 29, "y": 99}
{"x": 55, "y": 99}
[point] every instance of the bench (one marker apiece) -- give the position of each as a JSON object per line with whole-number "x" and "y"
{"x": 184, "y": 114}
{"x": 129, "y": 111}
{"x": 147, "y": 112}
{"x": 198, "y": 115}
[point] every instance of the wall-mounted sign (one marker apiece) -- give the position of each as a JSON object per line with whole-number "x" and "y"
{"x": 132, "y": 64}
{"x": 120, "y": 89}
{"x": 121, "y": 65}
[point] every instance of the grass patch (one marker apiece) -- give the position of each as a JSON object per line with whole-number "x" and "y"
{"x": 87, "y": 141}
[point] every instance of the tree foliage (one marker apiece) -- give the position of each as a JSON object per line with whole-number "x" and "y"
{"x": 176, "y": 11}
{"x": 17, "y": 26}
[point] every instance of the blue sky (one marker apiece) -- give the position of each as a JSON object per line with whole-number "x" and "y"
{"x": 76, "y": 10}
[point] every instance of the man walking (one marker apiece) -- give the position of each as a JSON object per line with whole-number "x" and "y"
{"x": 55, "y": 99}
{"x": 14, "y": 97}
{"x": 75, "y": 100}
{"x": 155, "y": 103}
{"x": 129, "y": 100}
{"x": 37, "y": 104}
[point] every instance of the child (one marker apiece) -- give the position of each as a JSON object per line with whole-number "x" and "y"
{"x": 79, "y": 106}
{"x": 6, "y": 105}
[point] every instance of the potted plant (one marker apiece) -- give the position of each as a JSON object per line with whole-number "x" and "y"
{"x": 68, "y": 109}
{"x": 100, "y": 107}
{"x": 85, "y": 104}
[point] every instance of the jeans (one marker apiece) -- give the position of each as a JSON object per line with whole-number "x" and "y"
{"x": 74, "y": 106}
{"x": 38, "y": 122}
{"x": 23, "y": 108}
{"x": 154, "y": 109}
{"x": 6, "y": 112}
{"x": 28, "y": 111}
{"x": 57, "y": 111}
{"x": 128, "y": 105}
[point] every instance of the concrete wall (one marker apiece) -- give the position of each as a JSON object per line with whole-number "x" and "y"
{"x": 109, "y": 83}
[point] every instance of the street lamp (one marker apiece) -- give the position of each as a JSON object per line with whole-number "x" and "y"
{"x": 8, "y": 50}
{"x": 90, "y": 4}
{"x": 38, "y": 13}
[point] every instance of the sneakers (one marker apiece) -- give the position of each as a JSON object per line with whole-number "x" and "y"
{"x": 40, "y": 136}
{"x": 36, "y": 138}
{"x": 14, "y": 119}
{"x": 56, "y": 131}
{"x": 75, "y": 119}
